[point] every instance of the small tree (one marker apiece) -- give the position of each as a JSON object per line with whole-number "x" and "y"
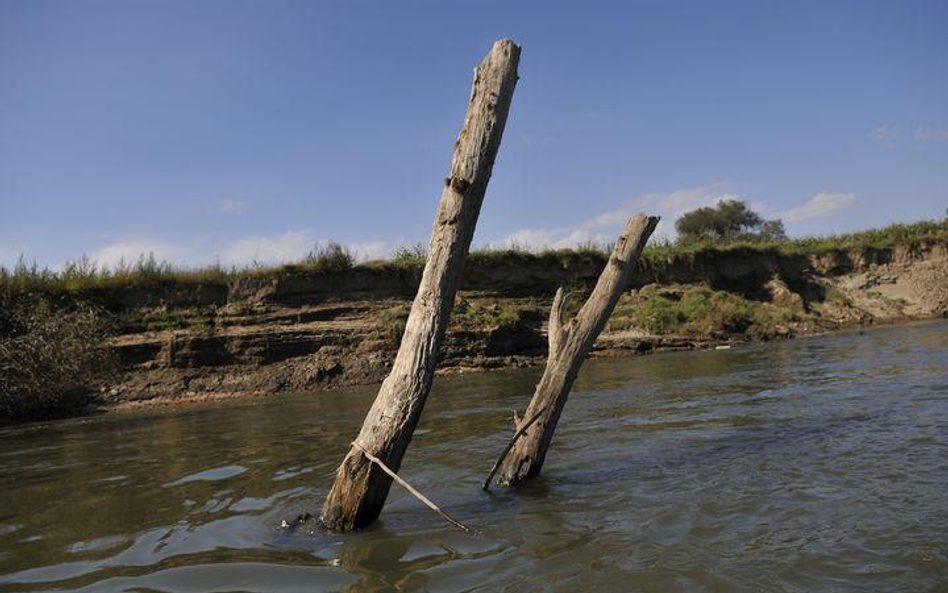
{"x": 772, "y": 230}
{"x": 729, "y": 220}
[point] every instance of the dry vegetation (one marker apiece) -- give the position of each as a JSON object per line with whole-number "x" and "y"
{"x": 83, "y": 274}
{"x": 52, "y": 357}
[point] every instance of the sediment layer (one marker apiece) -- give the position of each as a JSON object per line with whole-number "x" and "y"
{"x": 302, "y": 331}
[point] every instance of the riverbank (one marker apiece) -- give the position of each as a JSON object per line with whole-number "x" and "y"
{"x": 291, "y": 333}
{"x": 180, "y": 339}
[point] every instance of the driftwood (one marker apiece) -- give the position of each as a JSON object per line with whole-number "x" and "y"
{"x": 569, "y": 344}
{"x": 360, "y": 488}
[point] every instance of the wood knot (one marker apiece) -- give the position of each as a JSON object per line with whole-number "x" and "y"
{"x": 458, "y": 184}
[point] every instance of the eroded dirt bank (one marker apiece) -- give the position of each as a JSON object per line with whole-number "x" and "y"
{"x": 309, "y": 331}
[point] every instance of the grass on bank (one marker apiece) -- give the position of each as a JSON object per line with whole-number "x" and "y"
{"x": 83, "y": 274}
{"x": 701, "y": 311}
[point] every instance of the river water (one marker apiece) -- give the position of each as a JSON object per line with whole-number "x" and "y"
{"x": 813, "y": 465}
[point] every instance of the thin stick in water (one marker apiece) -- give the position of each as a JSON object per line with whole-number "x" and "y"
{"x": 411, "y": 490}
{"x": 520, "y": 432}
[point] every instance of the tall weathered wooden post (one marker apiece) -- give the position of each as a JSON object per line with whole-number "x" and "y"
{"x": 569, "y": 344}
{"x": 360, "y": 488}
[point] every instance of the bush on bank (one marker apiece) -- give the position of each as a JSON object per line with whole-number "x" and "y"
{"x": 53, "y": 358}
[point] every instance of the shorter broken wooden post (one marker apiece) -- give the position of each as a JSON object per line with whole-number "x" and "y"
{"x": 569, "y": 344}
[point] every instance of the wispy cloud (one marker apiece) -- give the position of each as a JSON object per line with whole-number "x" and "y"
{"x": 293, "y": 245}
{"x": 130, "y": 248}
{"x": 233, "y": 205}
{"x": 604, "y": 227}
{"x": 889, "y": 135}
{"x": 820, "y": 206}
{"x": 930, "y": 134}
{"x": 289, "y": 246}
{"x": 670, "y": 206}
{"x": 553, "y": 238}
{"x": 375, "y": 249}
{"x": 885, "y": 134}
{"x": 676, "y": 203}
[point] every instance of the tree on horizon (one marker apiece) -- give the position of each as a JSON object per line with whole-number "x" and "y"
{"x": 728, "y": 220}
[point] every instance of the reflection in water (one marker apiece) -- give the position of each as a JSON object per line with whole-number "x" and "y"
{"x": 811, "y": 465}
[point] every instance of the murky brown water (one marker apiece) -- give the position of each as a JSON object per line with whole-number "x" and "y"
{"x": 814, "y": 465}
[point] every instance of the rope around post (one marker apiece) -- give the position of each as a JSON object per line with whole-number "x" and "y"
{"x": 411, "y": 490}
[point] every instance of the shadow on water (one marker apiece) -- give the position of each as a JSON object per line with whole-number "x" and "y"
{"x": 808, "y": 465}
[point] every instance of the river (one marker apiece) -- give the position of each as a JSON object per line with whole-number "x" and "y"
{"x": 819, "y": 464}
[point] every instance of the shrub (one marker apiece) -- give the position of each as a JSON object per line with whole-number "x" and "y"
{"x": 730, "y": 313}
{"x": 706, "y": 310}
{"x": 698, "y": 310}
{"x": 331, "y": 257}
{"x": 658, "y": 315}
{"x": 410, "y": 257}
{"x": 508, "y": 315}
{"x": 696, "y": 304}
{"x": 52, "y": 359}
{"x": 475, "y": 316}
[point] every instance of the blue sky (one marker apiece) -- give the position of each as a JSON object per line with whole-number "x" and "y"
{"x": 241, "y": 130}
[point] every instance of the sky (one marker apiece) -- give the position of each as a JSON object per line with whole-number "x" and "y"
{"x": 240, "y": 131}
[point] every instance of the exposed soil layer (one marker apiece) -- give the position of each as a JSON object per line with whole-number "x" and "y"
{"x": 311, "y": 331}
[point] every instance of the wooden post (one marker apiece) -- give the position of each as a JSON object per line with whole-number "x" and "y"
{"x": 569, "y": 345}
{"x": 359, "y": 491}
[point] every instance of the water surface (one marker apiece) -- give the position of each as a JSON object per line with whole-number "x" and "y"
{"x": 813, "y": 465}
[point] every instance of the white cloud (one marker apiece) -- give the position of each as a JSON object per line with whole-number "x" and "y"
{"x": 884, "y": 134}
{"x": 295, "y": 245}
{"x": 670, "y": 206}
{"x": 374, "y": 249}
{"x": 289, "y": 246}
{"x": 822, "y": 205}
{"x": 605, "y": 227}
{"x": 759, "y": 207}
{"x": 553, "y": 238}
{"x": 233, "y": 205}
{"x": 129, "y": 249}
{"x": 676, "y": 203}
{"x": 930, "y": 134}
